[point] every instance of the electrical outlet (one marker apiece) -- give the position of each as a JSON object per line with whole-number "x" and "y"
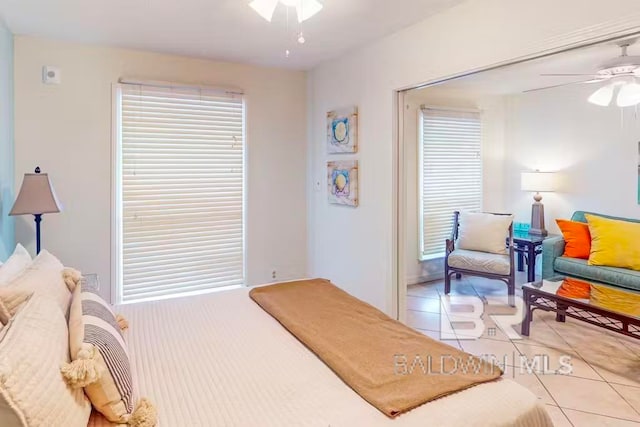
{"x": 273, "y": 274}
{"x": 318, "y": 185}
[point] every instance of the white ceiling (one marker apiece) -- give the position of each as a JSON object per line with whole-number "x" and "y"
{"x": 526, "y": 76}
{"x": 218, "y": 29}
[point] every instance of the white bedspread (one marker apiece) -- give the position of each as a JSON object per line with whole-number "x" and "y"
{"x": 220, "y": 360}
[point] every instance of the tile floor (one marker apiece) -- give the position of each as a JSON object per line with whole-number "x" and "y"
{"x": 603, "y": 388}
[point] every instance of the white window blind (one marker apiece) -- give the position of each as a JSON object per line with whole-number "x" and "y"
{"x": 450, "y": 173}
{"x": 181, "y": 190}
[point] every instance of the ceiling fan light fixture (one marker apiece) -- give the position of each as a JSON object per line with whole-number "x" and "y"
{"x": 629, "y": 95}
{"x": 265, "y": 8}
{"x": 305, "y": 9}
{"x": 602, "y": 96}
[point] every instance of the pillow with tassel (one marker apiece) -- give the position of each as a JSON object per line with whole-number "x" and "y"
{"x": 100, "y": 360}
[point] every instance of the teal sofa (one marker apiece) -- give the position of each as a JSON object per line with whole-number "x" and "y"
{"x": 556, "y": 265}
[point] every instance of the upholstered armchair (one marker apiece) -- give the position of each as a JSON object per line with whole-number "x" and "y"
{"x": 478, "y": 248}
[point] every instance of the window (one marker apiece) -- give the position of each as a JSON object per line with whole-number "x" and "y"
{"x": 450, "y": 173}
{"x": 179, "y": 191}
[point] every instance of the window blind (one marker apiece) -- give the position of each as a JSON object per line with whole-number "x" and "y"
{"x": 450, "y": 173}
{"x": 181, "y": 166}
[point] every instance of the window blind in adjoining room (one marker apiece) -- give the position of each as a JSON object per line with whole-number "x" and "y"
{"x": 181, "y": 171}
{"x": 450, "y": 174}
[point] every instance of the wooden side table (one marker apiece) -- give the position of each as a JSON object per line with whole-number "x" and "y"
{"x": 528, "y": 247}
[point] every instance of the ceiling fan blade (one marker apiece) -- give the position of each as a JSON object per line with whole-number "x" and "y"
{"x": 568, "y": 74}
{"x": 563, "y": 84}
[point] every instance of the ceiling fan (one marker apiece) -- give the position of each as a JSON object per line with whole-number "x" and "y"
{"x": 621, "y": 75}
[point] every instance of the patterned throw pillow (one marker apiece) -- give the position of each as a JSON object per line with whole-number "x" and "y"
{"x": 101, "y": 361}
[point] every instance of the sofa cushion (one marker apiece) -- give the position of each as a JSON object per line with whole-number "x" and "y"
{"x": 580, "y": 216}
{"x": 479, "y": 261}
{"x": 621, "y": 277}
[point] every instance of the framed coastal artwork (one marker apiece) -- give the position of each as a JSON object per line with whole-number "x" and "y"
{"x": 342, "y": 178}
{"x": 342, "y": 131}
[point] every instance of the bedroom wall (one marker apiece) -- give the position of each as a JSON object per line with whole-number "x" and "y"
{"x": 354, "y": 247}
{"x": 6, "y": 142}
{"x": 66, "y": 130}
{"x": 594, "y": 149}
{"x": 493, "y": 155}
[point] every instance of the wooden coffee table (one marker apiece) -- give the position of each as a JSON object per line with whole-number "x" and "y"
{"x": 542, "y": 295}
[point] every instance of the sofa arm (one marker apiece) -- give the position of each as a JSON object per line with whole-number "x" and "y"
{"x": 552, "y": 248}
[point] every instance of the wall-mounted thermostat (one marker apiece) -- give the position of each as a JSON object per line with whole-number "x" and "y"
{"x": 50, "y": 75}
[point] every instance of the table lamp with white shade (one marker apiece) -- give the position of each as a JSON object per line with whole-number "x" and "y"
{"x": 36, "y": 197}
{"x": 538, "y": 182}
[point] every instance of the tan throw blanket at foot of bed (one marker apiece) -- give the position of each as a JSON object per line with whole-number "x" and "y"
{"x": 391, "y": 366}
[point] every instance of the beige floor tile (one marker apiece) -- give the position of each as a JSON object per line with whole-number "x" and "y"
{"x": 424, "y": 290}
{"x": 423, "y": 320}
{"x": 630, "y": 394}
{"x": 612, "y": 360}
{"x": 588, "y": 395}
{"x": 431, "y": 305}
{"x": 632, "y": 344}
{"x": 558, "y": 417}
{"x": 580, "y": 419}
{"x": 531, "y": 382}
{"x": 554, "y": 357}
{"x": 541, "y": 334}
{"x": 500, "y": 352}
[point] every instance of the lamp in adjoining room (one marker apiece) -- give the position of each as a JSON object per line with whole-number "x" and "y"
{"x": 36, "y": 197}
{"x": 538, "y": 182}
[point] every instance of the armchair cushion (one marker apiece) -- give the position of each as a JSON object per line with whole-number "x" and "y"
{"x": 484, "y": 232}
{"x": 480, "y": 261}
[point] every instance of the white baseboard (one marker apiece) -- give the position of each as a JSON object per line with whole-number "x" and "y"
{"x": 414, "y": 280}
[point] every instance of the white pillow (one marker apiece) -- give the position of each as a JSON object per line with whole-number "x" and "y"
{"x": 33, "y": 346}
{"x": 17, "y": 262}
{"x": 44, "y": 277}
{"x": 484, "y": 232}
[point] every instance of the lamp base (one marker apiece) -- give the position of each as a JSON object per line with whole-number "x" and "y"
{"x": 537, "y": 220}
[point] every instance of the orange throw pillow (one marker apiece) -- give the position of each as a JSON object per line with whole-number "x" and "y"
{"x": 577, "y": 238}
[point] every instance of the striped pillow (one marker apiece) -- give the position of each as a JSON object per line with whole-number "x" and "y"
{"x": 101, "y": 360}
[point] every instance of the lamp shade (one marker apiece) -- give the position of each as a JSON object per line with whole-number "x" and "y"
{"x": 36, "y": 196}
{"x": 538, "y": 181}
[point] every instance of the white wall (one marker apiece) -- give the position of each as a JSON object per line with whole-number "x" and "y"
{"x": 354, "y": 247}
{"x": 594, "y": 149}
{"x": 6, "y": 141}
{"x": 66, "y": 130}
{"x": 492, "y": 110}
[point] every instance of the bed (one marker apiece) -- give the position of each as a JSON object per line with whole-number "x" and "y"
{"x": 219, "y": 359}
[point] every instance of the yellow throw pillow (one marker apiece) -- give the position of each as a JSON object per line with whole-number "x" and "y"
{"x": 614, "y": 243}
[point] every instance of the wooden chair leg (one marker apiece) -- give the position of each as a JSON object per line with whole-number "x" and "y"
{"x": 447, "y": 281}
{"x": 511, "y": 290}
